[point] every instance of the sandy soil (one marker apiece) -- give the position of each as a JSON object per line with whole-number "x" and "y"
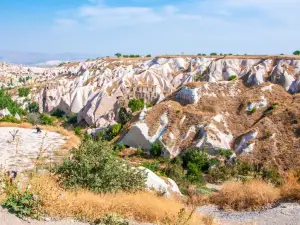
{"x": 20, "y": 154}
{"x": 283, "y": 214}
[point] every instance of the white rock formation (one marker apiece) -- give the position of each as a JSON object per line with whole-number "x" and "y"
{"x": 166, "y": 186}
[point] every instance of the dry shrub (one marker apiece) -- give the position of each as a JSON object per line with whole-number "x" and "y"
{"x": 251, "y": 195}
{"x": 141, "y": 206}
{"x": 290, "y": 190}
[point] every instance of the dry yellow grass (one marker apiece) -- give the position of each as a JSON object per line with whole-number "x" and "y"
{"x": 141, "y": 206}
{"x": 71, "y": 139}
{"x": 290, "y": 190}
{"x": 251, "y": 195}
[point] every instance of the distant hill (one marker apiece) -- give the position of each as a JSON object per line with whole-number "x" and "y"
{"x": 42, "y": 59}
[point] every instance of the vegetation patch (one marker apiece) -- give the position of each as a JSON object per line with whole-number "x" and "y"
{"x": 93, "y": 166}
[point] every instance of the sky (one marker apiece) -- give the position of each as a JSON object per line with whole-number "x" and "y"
{"x": 105, "y": 27}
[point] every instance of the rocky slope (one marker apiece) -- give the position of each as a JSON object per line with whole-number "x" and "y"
{"x": 262, "y": 120}
{"x": 243, "y": 102}
{"x": 93, "y": 89}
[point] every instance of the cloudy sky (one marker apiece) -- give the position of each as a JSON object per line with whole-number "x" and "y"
{"x": 104, "y": 27}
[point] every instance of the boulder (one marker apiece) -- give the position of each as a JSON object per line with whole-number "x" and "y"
{"x": 165, "y": 186}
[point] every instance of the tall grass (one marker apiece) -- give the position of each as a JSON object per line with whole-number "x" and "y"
{"x": 290, "y": 190}
{"x": 81, "y": 204}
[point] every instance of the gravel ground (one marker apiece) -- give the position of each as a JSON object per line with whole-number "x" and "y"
{"x": 283, "y": 214}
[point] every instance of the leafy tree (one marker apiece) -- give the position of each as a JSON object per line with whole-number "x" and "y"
{"x": 213, "y": 53}
{"x": 136, "y": 104}
{"x": 95, "y": 167}
{"x": 194, "y": 173}
{"x": 149, "y": 55}
{"x": 118, "y": 55}
{"x": 7, "y": 102}
{"x": 33, "y": 107}
{"x": 197, "y": 157}
{"x": 296, "y": 52}
{"x": 124, "y": 116}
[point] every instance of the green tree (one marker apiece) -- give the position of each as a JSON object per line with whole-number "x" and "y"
{"x": 118, "y": 55}
{"x": 7, "y": 102}
{"x": 124, "y": 116}
{"x": 214, "y": 53}
{"x": 197, "y": 157}
{"x": 95, "y": 167}
{"x": 296, "y": 52}
{"x": 149, "y": 55}
{"x": 136, "y": 104}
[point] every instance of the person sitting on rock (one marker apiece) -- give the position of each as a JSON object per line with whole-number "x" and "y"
{"x": 38, "y": 129}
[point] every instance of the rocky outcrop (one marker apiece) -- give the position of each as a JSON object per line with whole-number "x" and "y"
{"x": 164, "y": 186}
{"x": 225, "y": 119}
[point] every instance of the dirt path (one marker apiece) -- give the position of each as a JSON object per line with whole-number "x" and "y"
{"x": 284, "y": 214}
{"x": 10, "y": 219}
{"x": 7, "y": 218}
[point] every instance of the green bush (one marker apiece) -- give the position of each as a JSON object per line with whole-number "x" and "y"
{"x": 152, "y": 166}
{"x": 23, "y": 204}
{"x": 194, "y": 173}
{"x": 7, "y": 102}
{"x": 23, "y": 92}
{"x": 34, "y": 118}
{"x": 124, "y": 116}
{"x": 149, "y": 55}
{"x": 225, "y": 153}
{"x": 9, "y": 119}
{"x": 197, "y": 157}
{"x": 33, "y": 107}
{"x": 156, "y": 149}
{"x": 175, "y": 170}
{"x": 112, "y": 132}
{"x": 95, "y": 167}
{"x": 72, "y": 119}
{"x": 253, "y": 110}
{"x": 213, "y": 54}
{"x": 58, "y": 113}
{"x": 77, "y": 131}
{"x": 149, "y": 105}
{"x": 232, "y": 77}
{"x": 46, "y": 119}
{"x": 136, "y": 104}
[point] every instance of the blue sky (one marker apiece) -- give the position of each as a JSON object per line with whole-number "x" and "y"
{"x": 104, "y": 27}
